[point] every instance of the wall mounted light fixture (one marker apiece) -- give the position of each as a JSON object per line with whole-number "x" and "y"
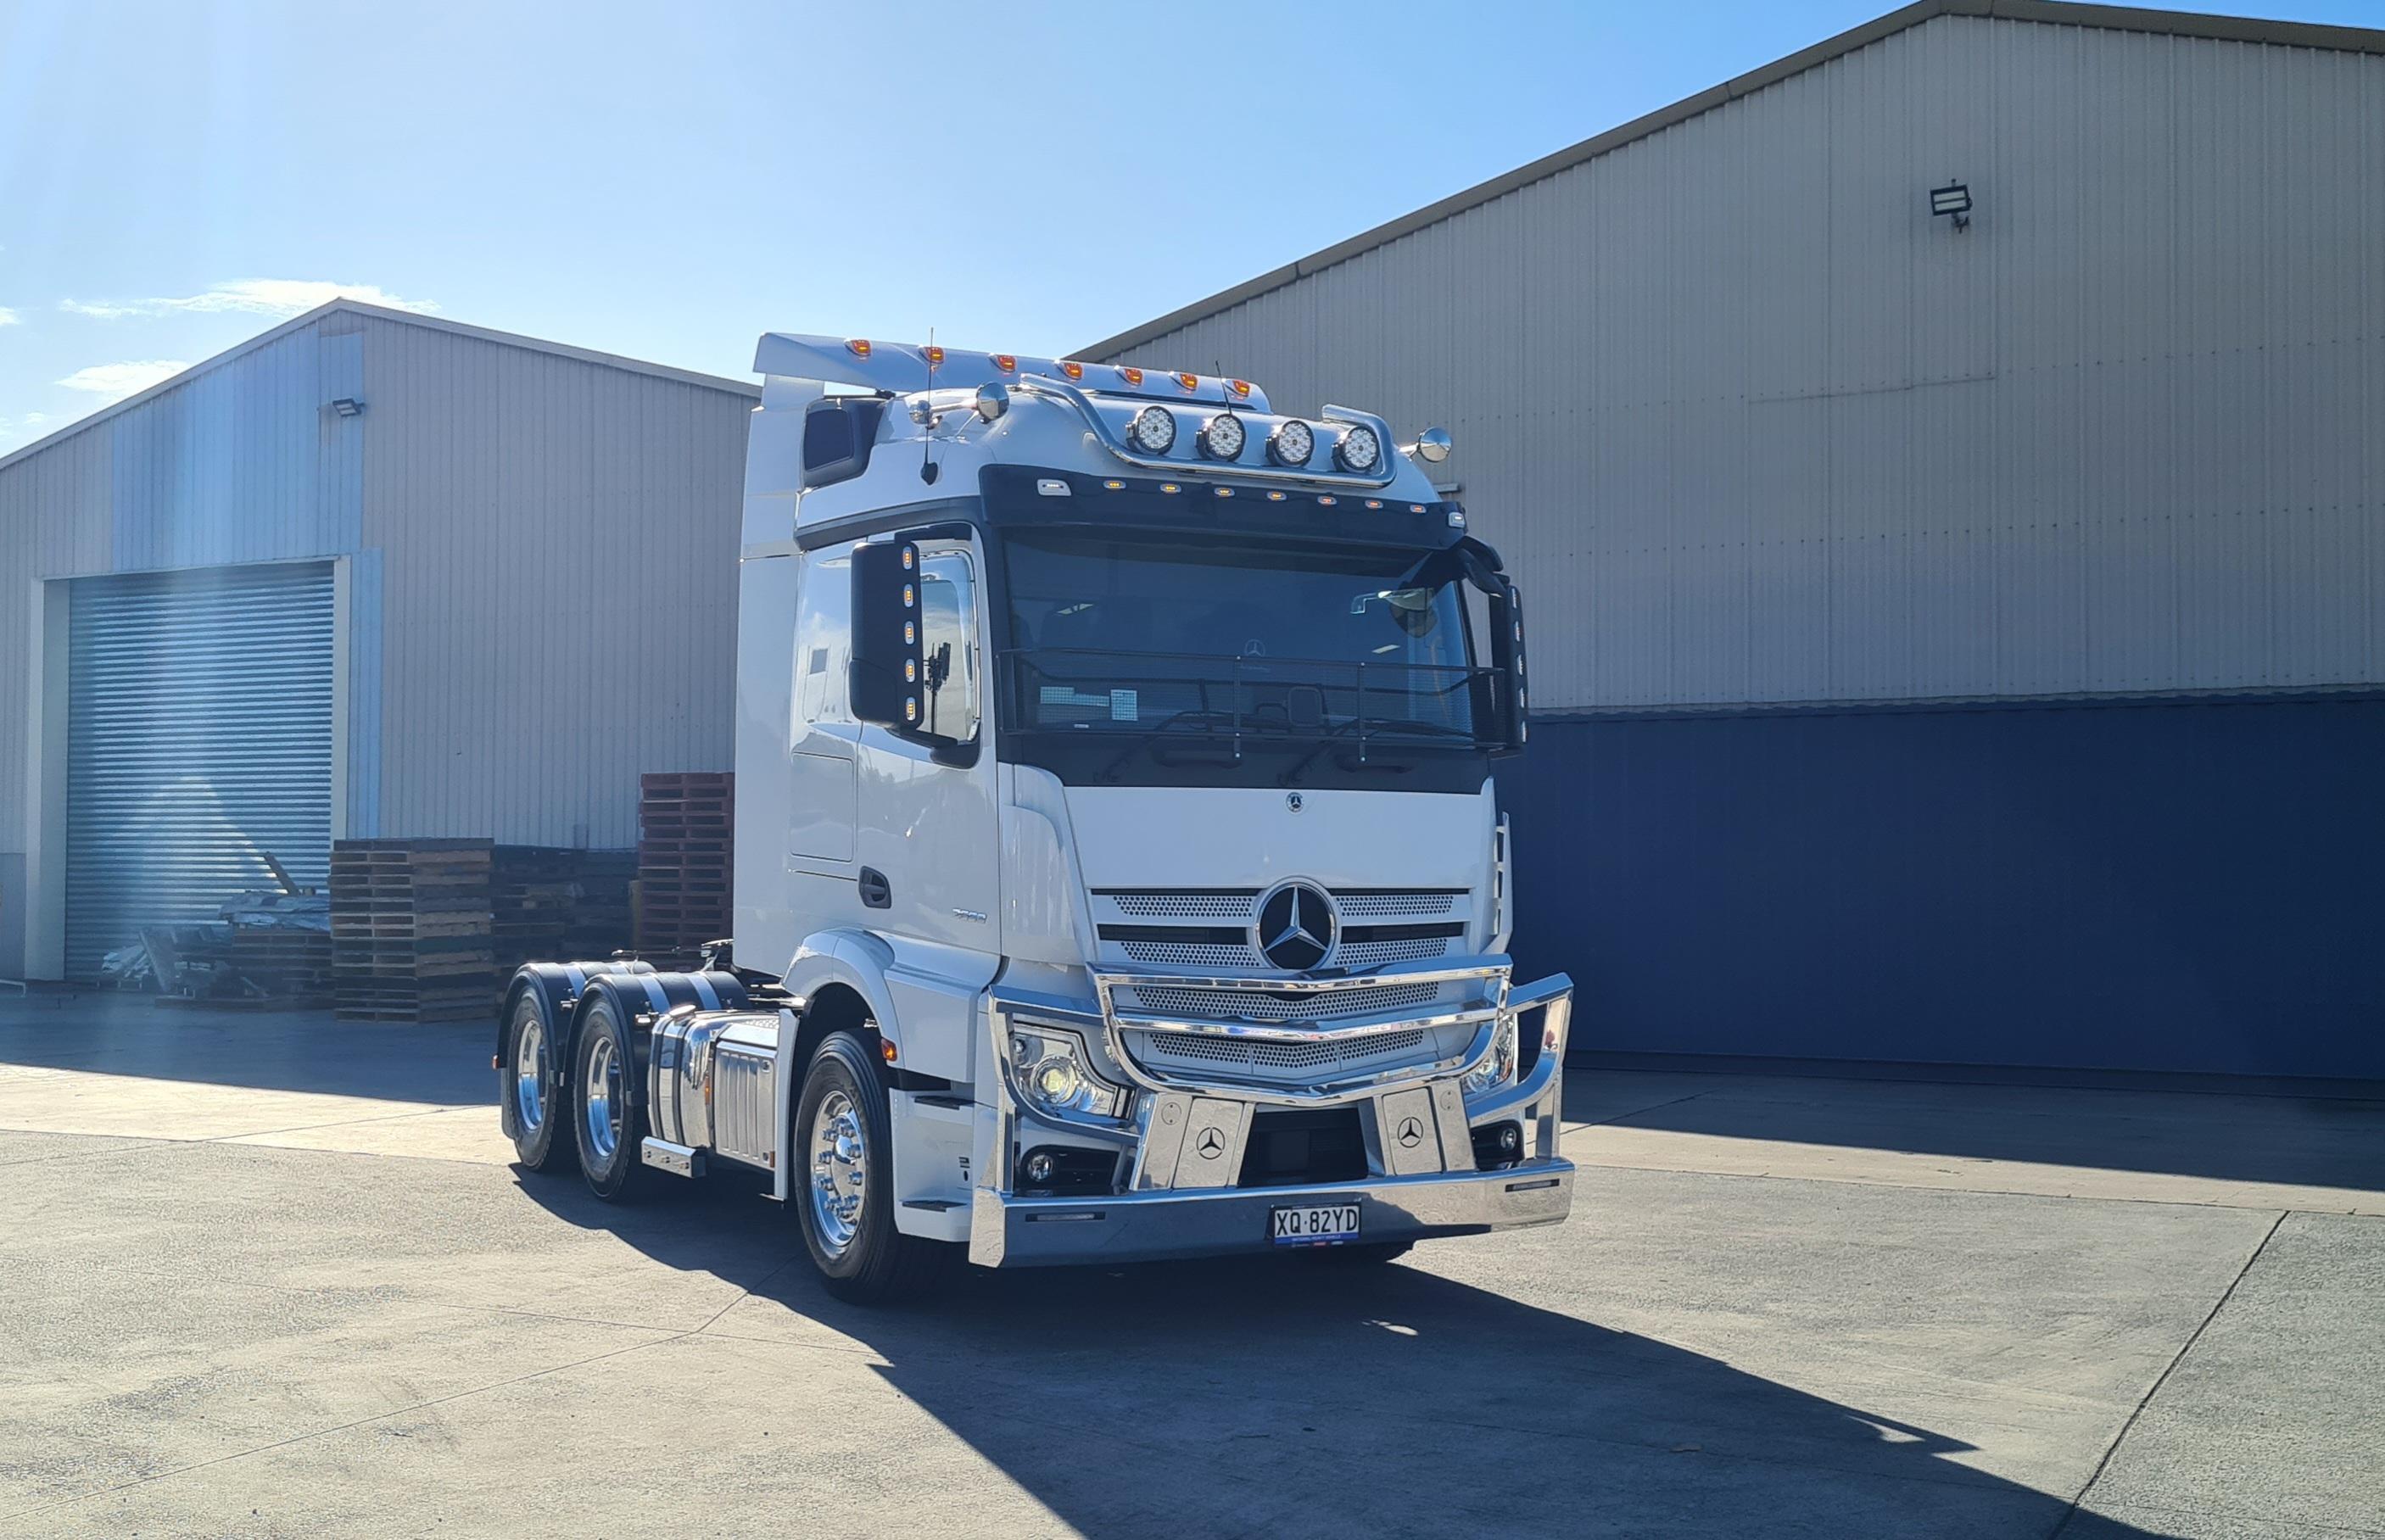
{"x": 1953, "y": 200}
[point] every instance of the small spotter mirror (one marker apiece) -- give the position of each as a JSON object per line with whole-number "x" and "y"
{"x": 1432, "y": 445}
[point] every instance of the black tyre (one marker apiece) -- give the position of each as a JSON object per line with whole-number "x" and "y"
{"x": 842, "y": 1181}
{"x": 606, "y": 1125}
{"x": 1363, "y": 1255}
{"x": 535, "y": 1098}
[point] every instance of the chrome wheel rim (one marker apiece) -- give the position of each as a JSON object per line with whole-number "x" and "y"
{"x": 840, "y": 1171}
{"x": 601, "y": 1097}
{"x": 530, "y": 1074}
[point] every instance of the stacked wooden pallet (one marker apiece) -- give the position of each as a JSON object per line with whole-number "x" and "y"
{"x": 553, "y": 905}
{"x": 411, "y": 930}
{"x": 685, "y": 823}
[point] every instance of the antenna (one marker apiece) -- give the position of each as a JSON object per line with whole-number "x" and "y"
{"x": 928, "y": 424}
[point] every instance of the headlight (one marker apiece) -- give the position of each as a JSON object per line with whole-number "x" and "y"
{"x": 1291, "y": 444}
{"x": 1498, "y": 1066}
{"x": 1359, "y": 449}
{"x": 1153, "y": 430}
{"x": 1056, "y": 1074}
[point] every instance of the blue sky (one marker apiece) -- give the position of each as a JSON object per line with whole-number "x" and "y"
{"x": 669, "y": 181}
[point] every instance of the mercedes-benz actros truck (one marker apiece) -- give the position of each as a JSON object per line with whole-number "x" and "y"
{"x": 1119, "y": 872}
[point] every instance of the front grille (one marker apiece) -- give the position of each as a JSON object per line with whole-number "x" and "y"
{"x": 1373, "y": 905}
{"x": 1374, "y": 954}
{"x": 1257, "y": 1005}
{"x": 1193, "y": 905}
{"x": 1241, "y": 958}
{"x": 1281, "y": 1056}
{"x": 1192, "y": 954}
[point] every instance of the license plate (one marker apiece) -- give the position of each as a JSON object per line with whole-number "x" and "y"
{"x": 1319, "y": 1224}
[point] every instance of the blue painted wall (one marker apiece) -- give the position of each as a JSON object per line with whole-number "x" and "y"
{"x": 2194, "y": 886}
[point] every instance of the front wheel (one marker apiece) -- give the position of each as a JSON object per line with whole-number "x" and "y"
{"x": 843, "y": 1176}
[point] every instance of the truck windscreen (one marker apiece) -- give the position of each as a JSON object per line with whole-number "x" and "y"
{"x": 1144, "y": 634}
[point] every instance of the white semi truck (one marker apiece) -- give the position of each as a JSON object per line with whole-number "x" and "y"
{"x": 1119, "y": 871}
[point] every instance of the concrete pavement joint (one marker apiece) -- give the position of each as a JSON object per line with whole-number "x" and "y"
{"x": 1564, "y": 1127}
{"x": 2162, "y": 1378}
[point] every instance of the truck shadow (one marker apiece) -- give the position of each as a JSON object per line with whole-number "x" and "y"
{"x": 1276, "y": 1396}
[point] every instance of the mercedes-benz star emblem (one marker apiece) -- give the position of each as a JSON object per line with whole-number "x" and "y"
{"x": 1211, "y": 1144}
{"x": 1296, "y": 927}
{"x": 1294, "y": 802}
{"x": 1411, "y": 1133}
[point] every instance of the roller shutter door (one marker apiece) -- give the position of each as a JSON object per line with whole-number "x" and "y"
{"x": 199, "y": 740}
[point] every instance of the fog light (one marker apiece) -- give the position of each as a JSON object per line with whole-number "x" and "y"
{"x": 1039, "y": 1168}
{"x": 1511, "y": 1138}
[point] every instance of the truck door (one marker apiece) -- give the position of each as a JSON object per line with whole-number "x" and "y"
{"x": 928, "y": 825}
{"x": 821, "y": 802}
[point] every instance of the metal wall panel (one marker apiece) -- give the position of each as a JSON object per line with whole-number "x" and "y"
{"x": 1773, "y": 434}
{"x": 557, "y": 585}
{"x": 535, "y": 539}
{"x": 199, "y": 733}
{"x": 2187, "y": 885}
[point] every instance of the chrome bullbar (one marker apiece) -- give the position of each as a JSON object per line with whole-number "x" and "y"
{"x": 1328, "y": 1016}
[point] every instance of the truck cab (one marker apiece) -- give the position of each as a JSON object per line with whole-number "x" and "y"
{"x": 1118, "y": 868}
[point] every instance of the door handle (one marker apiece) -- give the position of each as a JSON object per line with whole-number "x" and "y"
{"x": 875, "y": 893}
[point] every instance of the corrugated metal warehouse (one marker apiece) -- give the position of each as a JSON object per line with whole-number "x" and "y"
{"x": 371, "y": 574}
{"x": 1955, "y": 643}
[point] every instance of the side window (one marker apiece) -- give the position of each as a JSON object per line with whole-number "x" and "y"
{"x": 823, "y": 635}
{"x": 948, "y": 638}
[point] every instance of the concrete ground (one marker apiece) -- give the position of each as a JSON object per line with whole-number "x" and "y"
{"x": 265, "y": 1275}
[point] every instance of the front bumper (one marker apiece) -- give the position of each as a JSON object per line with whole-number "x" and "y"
{"x": 1180, "y": 1149}
{"x": 1152, "y": 1226}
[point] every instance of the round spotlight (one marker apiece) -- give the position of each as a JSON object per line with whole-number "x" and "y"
{"x": 1359, "y": 450}
{"x": 1291, "y": 444}
{"x": 1222, "y": 437}
{"x": 1153, "y": 430}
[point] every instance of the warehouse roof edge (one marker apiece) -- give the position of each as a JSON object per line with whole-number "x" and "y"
{"x": 383, "y": 313}
{"x": 2065, "y": 13}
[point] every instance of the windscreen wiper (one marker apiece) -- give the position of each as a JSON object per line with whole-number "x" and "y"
{"x": 1150, "y": 736}
{"x": 1380, "y": 724}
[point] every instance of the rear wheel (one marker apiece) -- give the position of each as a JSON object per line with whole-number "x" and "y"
{"x": 534, "y": 1094}
{"x": 842, "y": 1171}
{"x": 606, "y": 1126}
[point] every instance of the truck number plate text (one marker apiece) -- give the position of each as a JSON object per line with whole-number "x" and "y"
{"x": 1317, "y": 1225}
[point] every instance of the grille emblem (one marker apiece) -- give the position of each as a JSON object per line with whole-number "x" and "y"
{"x": 1294, "y": 802}
{"x": 1296, "y": 927}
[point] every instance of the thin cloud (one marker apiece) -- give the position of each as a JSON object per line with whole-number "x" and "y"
{"x": 255, "y": 296}
{"x": 8, "y": 317}
{"x": 32, "y": 425}
{"x": 115, "y": 382}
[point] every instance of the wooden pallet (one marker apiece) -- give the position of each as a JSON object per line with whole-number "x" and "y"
{"x": 686, "y": 868}
{"x": 412, "y": 929}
